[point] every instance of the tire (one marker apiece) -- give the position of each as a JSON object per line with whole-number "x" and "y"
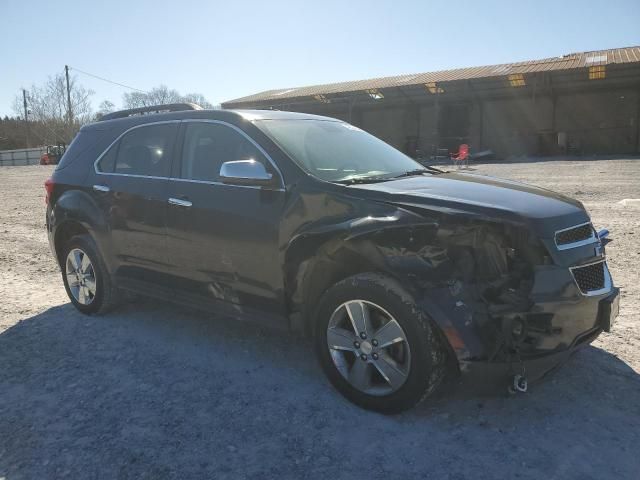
{"x": 105, "y": 296}
{"x": 418, "y": 359}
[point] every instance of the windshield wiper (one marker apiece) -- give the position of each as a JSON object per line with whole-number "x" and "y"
{"x": 420, "y": 171}
{"x": 354, "y": 180}
{"x": 363, "y": 178}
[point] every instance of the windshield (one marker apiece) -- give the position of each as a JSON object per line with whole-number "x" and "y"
{"x": 336, "y": 151}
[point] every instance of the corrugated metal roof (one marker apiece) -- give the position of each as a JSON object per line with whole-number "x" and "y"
{"x": 565, "y": 62}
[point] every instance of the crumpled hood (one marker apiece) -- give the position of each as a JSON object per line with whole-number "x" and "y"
{"x": 486, "y": 196}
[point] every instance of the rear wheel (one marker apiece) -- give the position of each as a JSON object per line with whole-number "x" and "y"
{"x": 85, "y": 276}
{"x": 376, "y": 346}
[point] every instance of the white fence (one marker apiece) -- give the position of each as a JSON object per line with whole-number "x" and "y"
{"x": 23, "y": 156}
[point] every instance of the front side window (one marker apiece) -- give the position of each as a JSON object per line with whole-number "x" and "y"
{"x": 337, "y": 151}
{"x": 145, "y": 151}
{"x": 208, "y": 145}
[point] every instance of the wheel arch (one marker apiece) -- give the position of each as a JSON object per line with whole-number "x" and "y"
{"x": 64, "y": 233}
{"x": 316, "y": 263}
{"x": 76, "y": 213}
{"x": 383, "y": 245}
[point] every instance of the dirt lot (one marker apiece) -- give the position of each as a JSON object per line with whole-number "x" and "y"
{"x": 152, "y": 391}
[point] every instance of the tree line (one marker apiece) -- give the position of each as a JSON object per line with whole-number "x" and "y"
{"x": 49, "y": 121}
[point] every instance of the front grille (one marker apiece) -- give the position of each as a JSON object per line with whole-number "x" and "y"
{"x": 590, "y": 278}
{"x": 574, "y": 234}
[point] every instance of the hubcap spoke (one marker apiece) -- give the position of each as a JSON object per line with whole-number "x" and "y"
{"x": 85, "y": 263}
{"x": 360, "y": 375}
{"x": 341, "y": 339}
{"x": 359, "y": 315}
{"x": 390, "y": 333}
{"x": 390, "y": 370}
{"x": 72, "y": 280}
{"x": 90, "y": 283}
{"x": 81, "y": 296}
{"x": 76, "y": 261}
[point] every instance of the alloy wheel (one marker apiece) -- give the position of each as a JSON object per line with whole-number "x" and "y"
{"x": 81, "y": 276}
{"x": 368, "y": 347}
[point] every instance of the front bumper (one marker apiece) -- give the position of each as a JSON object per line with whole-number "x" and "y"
{"x": 558, "y": 320}
{"x": 483, "y": 376}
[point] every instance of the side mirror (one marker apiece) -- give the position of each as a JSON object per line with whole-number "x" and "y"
{"x": 245, "y": 172}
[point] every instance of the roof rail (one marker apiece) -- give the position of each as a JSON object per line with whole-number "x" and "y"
{"x": 169, "y": 107}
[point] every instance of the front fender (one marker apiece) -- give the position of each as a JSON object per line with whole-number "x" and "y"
{"x": 323, "y": 253}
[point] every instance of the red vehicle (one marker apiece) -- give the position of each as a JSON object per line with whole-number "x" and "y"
{"x": 53, "y": 155}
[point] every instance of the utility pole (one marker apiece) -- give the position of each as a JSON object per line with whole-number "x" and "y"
{"x": 26, "y": 115}
{"x": 69, "y": 112}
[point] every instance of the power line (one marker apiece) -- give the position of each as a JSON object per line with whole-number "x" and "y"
{"x": 107, "y": 80}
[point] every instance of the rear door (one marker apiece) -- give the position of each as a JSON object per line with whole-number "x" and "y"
{"x": 222, "y": 240}
{"x": 133, "y": 178}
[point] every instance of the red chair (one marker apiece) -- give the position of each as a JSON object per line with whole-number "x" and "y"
{"x": 461, "y": 157}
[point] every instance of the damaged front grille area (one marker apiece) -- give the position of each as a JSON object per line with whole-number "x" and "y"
{"x": 592, "y": 279}
{"x": 575, "y": 236}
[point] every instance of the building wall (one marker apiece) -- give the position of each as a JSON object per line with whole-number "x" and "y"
{"x": 596, "y": 123}
{"x": 385, "y": 123}
{"x": 602, "y": 122}
{"x": 516, "y": 126}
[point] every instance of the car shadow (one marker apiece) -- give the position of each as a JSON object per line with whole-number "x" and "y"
{"x": 154, "y": 391}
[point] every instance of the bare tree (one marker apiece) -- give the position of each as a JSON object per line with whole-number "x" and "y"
{"x": 47, "y": 106}
{"x": 162, "y": 95}
{"x": 105, "y": 107}
{"x": 198, "y": 99}
{"x": 157, "y": 96}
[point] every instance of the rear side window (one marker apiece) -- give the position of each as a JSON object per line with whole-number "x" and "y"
{"x": 144, "y": 151}
{"x": 208, "y": 145}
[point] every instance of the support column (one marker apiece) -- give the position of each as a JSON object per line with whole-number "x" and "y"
{"x": 481, "y": 127}
{"x": 638, "y": 123}
{"x": 436, "y": 113}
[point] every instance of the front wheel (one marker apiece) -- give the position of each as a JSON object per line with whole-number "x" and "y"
{"x": 376, "y": 346}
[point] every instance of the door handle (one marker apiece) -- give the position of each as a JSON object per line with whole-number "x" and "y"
{"x": 179, "y": 202}
{"x": 101, "y": 188}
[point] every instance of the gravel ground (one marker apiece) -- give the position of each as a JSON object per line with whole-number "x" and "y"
{"x": 153, "y": 391}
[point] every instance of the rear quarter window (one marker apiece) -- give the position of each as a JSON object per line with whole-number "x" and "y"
{"x": 107, "y": 162}
{"x": 82, "y": 142}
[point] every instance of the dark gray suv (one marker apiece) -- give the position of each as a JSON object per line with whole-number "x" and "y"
{"x": 404, "y": 275}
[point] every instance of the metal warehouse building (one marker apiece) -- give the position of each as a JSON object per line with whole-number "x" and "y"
{"x": 580, "y": 103}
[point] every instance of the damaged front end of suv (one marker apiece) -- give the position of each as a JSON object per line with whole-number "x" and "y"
{"x": 400, "y": 270}
{"x": 510, "y": 300}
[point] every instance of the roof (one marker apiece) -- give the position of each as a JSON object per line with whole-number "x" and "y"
{"x": 565, "y": 62}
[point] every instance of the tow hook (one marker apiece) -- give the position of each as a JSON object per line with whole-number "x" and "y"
{"x": 519, "y": 384}
{"x": 519, "y": 381}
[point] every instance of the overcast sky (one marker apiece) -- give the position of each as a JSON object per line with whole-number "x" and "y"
{"x": 234, "y": 48}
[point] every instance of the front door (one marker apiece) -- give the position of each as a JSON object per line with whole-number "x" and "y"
{"x": 223, "y": 240}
